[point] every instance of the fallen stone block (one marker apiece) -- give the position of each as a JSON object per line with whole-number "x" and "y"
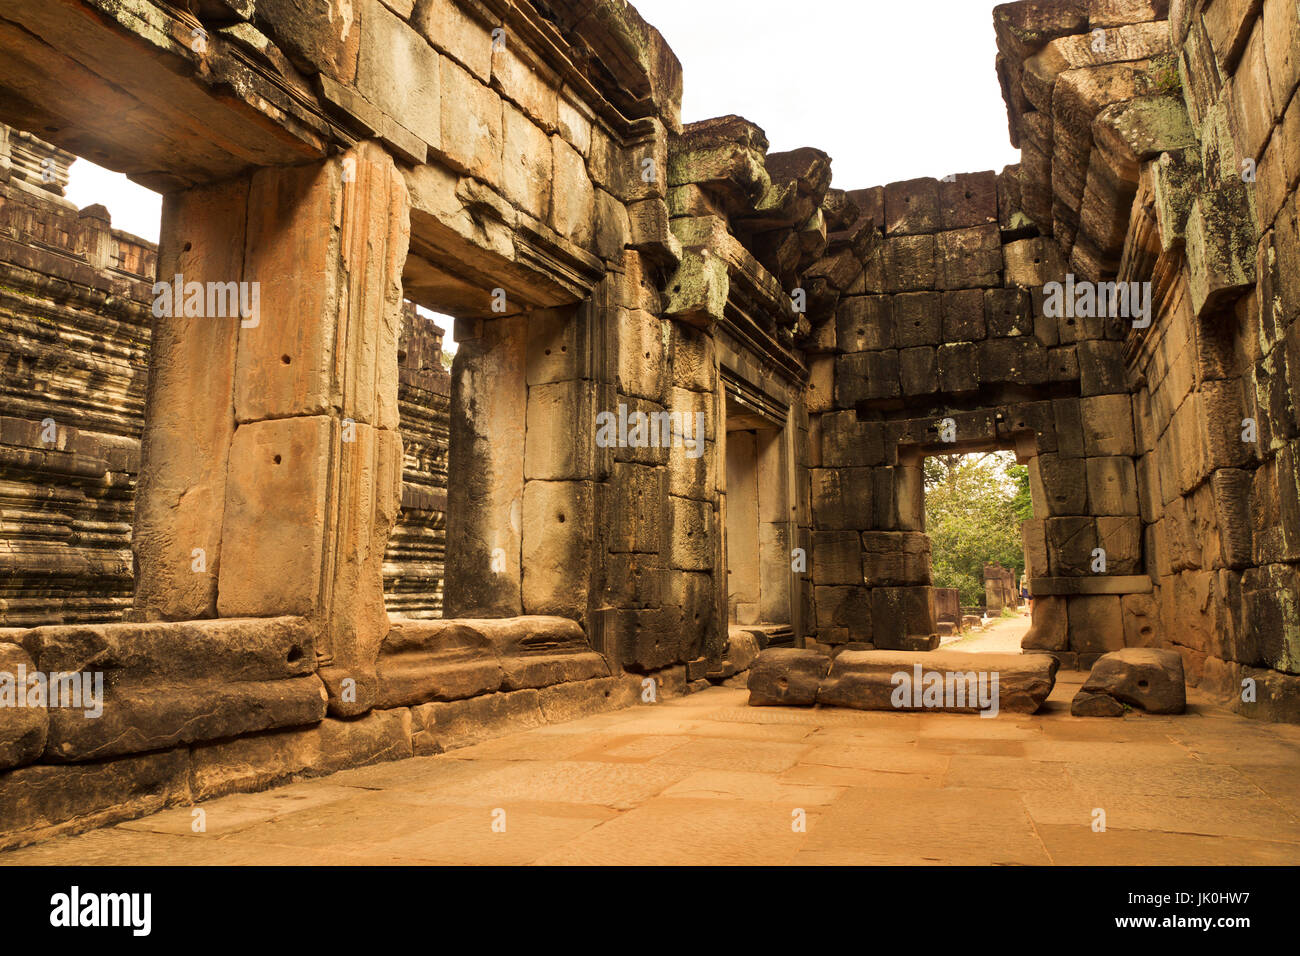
{"x": 1086, "y": 704}
{"x": 786, "y": 676}
{"x": 1147, "y": 678}
{"x": 23, "y": 726}
{"x": 949, "y": 681}
{"x": 742, "y": 650}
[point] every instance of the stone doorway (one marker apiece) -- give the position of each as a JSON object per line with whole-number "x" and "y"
{"x": 974, "y": 505}
{"x": 757, "y": 516}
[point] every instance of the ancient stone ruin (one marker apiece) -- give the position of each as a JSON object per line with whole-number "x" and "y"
{"x": 694, "y": 389}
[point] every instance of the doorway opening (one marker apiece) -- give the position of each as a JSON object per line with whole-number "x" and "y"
{"x": 757, "y": 516}
{"x": 975, "y": 504}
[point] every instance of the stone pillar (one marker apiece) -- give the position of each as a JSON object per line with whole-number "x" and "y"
{"x": 485, "y": 469}
{"x": 189, "y": 417}
{"x": 271, "y": 437}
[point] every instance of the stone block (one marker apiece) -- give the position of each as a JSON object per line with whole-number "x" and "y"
{"x": 898, "y": 615}
{"x": 521, "y": 78}
{"x": 163, "y": 684}
{"x": 912, "y": 207}
{"x": 1033, "y": 536}
{"x": 865, "y": 376}
{"x": 527, "y": 161}
{"x": 1281, "y": 38}
{"x": 836, "y": 558}
{"x": 1143, "y": 677}
{"x": 691, "y": 546}
{"x": 578, "y": 699}
{"x": 786, "y": 677}
{"x": 573, "y": 198}
{"x": 848, "y": 608}
{"x": 847, "y": 442}
{"x": 557, "y": 340}
{"x": 888, "y": 680}
{"x": 40, "y": 801}
{"x": 1096, "y": 624}
{"x": 895, "y": 558}
{"x": 864, "y": 323}
{"x": 377, "y": 737}
{"x": 398, "y": 72}
{"x": 958, "y": 366}
{"x": 1112, "y": 486}
{"x": 971, "y": 199}
{"x": 918, "y": 371}
{"x": 1070, "y": 544}
{"x": 910, "y": 264}
{"x": 841, "y": 498}
{"x": 557, "y": 547}
{"x": 1059, "y": 486}
{"x": 554, "y": 449}
{"x": 1008, "y": 313}
{"x": 471, "y": 140}
{"x": 963, "y": 316}
{"x": 252, "y": 762}
{"x": 969, "y": 258}
{"x": 918, "y": 319}
{"x": 276, "y": 507}
{"x": 439, "y": 727}
{"x": 456, "y": 33}
{"x": 421, "y": 661}
{"x": 1107, "y": 422}
{"x": 1050, "y": 628}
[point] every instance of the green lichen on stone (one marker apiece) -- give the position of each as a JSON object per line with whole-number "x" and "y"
{"x": 1164, "y": 76}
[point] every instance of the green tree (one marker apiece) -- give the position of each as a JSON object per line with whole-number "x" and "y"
{"x": 974, "y": 505}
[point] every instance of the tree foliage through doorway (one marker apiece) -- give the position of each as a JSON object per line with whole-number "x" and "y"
{"x": 974, "y": 505}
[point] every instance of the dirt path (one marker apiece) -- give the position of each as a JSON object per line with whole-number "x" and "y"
{"x": 1002, "y": 637}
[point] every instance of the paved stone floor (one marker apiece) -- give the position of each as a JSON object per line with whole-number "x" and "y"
{"x": 706, "y": 779}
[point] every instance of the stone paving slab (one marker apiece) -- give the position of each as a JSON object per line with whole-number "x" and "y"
{"x": 707, "y": 780}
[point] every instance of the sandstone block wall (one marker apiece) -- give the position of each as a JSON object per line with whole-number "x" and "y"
{"x": 1190, "y": 187}
{"x": 522, "y": 167}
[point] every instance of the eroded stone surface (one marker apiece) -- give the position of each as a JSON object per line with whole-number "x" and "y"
{"x": 1144, "y": 677}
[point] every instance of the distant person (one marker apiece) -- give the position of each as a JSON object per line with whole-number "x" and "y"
{"x": 1024, "y": 596}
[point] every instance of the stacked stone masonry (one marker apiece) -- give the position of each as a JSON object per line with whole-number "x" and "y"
{"x": 793, "y": 349}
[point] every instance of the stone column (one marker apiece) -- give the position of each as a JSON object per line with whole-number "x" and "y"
{"x": 485, "y": 468}
{"x": 271, "y": 437}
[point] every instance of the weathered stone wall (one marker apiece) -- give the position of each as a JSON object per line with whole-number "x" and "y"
{"x": 74, "y": 307}
{"x": 1221, "y": 361}
{"x": 522, "y": 167}
{"x": 1157, "y": 151}
{"x": 940, "y": 343}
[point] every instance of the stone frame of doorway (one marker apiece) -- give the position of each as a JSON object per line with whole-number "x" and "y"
{"x": 775, "y": 516}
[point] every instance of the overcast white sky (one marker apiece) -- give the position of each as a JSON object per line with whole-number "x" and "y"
{"x": 891, "y": 90}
